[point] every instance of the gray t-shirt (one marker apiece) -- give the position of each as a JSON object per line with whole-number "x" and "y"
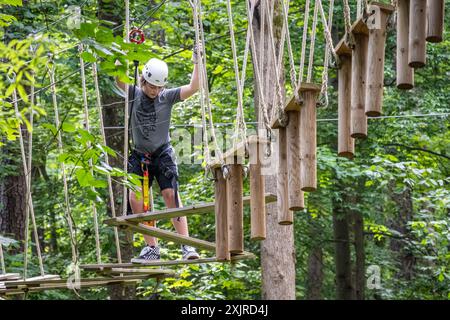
{"x": 150, "y": 118}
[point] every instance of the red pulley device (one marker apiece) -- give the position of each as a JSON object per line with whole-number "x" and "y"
{"x": 136, "y": 35}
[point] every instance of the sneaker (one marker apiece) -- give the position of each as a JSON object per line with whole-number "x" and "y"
{"x": 148, "y": 253}
{"x": 189, "y": 253}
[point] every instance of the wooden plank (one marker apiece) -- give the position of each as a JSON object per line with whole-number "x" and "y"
{"x": 10, "y": 276}
{"x": 141, "y": 271}
{"x": 292, "y": 104}
{"x": 237, "y": 152}
{"x": 383, "y": 6}
{"x": 142, "y": 263}
{"x": 170, "y": 236}
{"x": 342, "y": 49}
{"x": 41, "y": 283}
{"x": 359, "y": 27}
{"x": 176, "y": 212}
{"x": 84, "y": 283}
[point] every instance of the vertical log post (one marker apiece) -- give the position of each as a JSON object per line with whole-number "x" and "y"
{"x": 359, "y": 67}
{"x": 257, "y": 198}
{"x": 375, "y": 58}
{"x": 222, "y": 252}
{"x": 235, "y": 209}
{"x": 417, "y": 54}
{"x": 435, "y": 21}
{"x": 285, "y": 216}
{"x": 295, "y": 199}
{"x": 405, "y": 74}
{"x": 308, "y": 130}
{"x": 346, "y": 144}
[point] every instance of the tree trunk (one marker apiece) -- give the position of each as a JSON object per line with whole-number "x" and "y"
{"x": 344, "y": 289}
{"x": 278, "y": 279}
{"x": 112, "y": 117}
{"x": 315, "y": 274}
{"x": 358, "y": 232}
{"x": 404, "y": 204}
{"x": 12, "y": 195}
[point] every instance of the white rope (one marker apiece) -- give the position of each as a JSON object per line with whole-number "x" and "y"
{"x": 29, "y": 201}
{"x": 292, "y": 72}
{"x": 67, "y": 210}
{"x": 126, "y": 138}
{"x": 328, "y": 49}
{"x": 358, "y": 9}
{"x": 218, "y": 151}
{"x": 110, "y": 186}
{"x": 88, "y": 129}
{"x": 303, "y": 52}
{"x": 240, "y": 122}
{"x": 263, "y": 104}
{"x": 313, "y": 43}
{"x": 348, "y": 24}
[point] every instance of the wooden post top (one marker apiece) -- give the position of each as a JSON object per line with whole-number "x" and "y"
{"x": 387, "y": 8}
{"x": 292, "y": 105}
{"x": 238, "y": 151}
{"x": 359, "y": 27}
{"x": 342, "y": 49}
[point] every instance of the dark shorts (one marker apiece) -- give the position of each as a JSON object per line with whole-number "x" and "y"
{"x": 163, "y": 167}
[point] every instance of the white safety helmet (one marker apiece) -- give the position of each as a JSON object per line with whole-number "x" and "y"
{"x": 156, "y": 72}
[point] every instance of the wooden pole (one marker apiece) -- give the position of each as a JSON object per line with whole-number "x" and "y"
{"x": 308, "y": 146}
{"x": 285, "y": 216}
{"x": 405, "y": 74}
{"x": 257, "y": 197}
{"x": 359, "y": 68}
{"x": 222, "y": 252}
{"x": 346, "y": 144}
{"x": 417, "y": 54}
{"x": 435, "y": 22}
{"x": 296, "y": 197}
{"x": 235, "y": 209}
{"x": 375, "y": 58}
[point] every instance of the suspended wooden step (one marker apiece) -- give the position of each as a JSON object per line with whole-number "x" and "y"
{"x": 221, "y": 215}
{"x": 235, "y": 208}
{"x": 346, "y": 144}
{"x": 140, "y": 271}
{"x": 308, "y": 133}
{"x": 285, "y": 216}
{"x": 435, "y": 20}
{"x": 376, "y": 23}
{"x": 156, "y": 263}
{"x": 176, "y": 212}
{"x": 417, "y": 52}
{"x": 10, "y": 276}
{"x": 405, "y": 74}
{"x": 358, "y": 129}
{"x": 20, "y": 287}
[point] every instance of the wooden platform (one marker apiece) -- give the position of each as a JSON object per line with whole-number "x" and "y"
{"x": 152, "y": 263}
{"x": 20, "y": 287}
{"x": 175, "y": 212}
{"x": 10, "y": 276}
{"x": 292, "y": 104}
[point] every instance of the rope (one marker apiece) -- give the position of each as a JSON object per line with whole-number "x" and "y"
{"x": 348, "y": 25}
{"x": 292, "y": 72}
{"x": 29, "y": 201}
{"x": 126, "y": 138}
{"x": 88, "y": 129}
{"x": 303, "y": 52}
{"x": 102, "y": 131}
{"x": 240, "y": 123}
{"x": 263, "y": 104}
{"x": 67, "y": 210}
{"x": 313, "y": 42}
{"x": 330, "y": 48}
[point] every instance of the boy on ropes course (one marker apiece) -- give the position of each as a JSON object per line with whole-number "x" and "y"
{"x": 152, "y": 155}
